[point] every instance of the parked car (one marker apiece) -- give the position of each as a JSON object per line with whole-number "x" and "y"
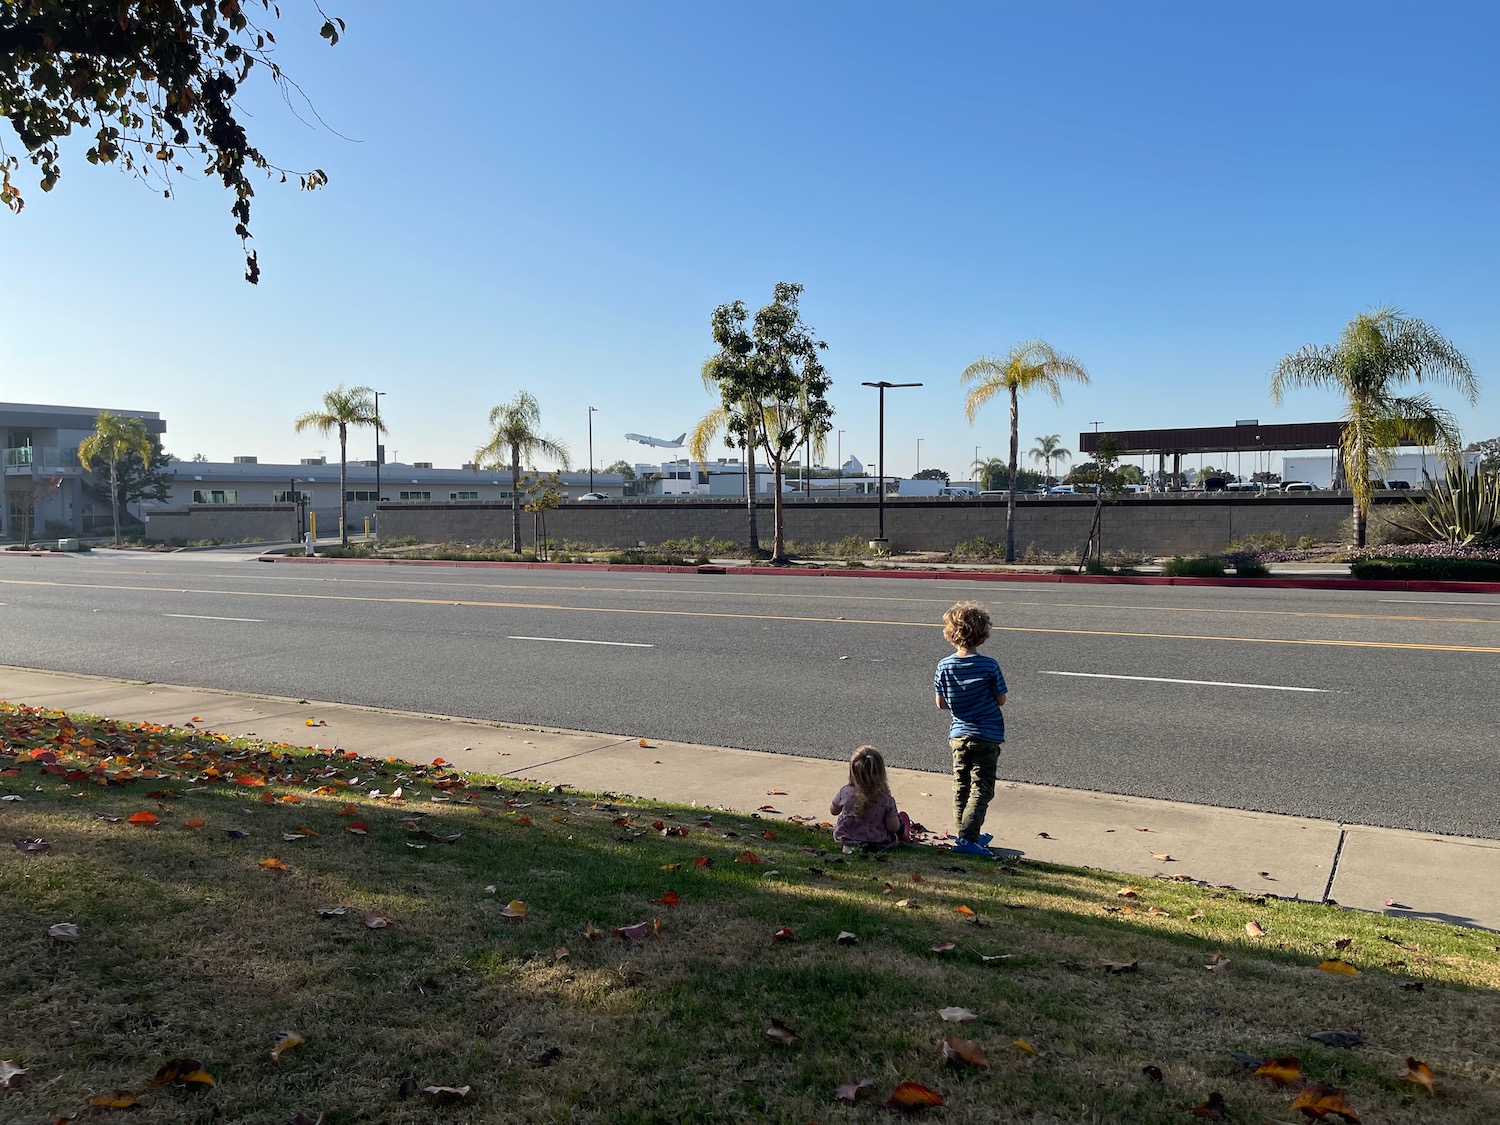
{"x": 959, "y": 490}
{"x": 1062, "y": 490}
{"x": 593, "y": 496}
{"x": 998, "y": 494}
{"x": 1296, "y": 486}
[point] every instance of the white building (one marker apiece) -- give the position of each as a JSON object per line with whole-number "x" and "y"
{"x": 1321, "y": 469}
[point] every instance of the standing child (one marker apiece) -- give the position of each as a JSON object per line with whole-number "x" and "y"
{"x": 972, "y": 689}
{"x": 866, "y": 811}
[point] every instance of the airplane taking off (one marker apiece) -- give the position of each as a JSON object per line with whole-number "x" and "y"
{"x": 660, "y": 443}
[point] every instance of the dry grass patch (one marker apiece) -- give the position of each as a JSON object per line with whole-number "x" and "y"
{"x": 189, "y": 947}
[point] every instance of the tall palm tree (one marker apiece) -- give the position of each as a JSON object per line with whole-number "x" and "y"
{"x": 1049, "y": 448}
{"x": 112, "y": 439}
{"x": 1377, "y": 352}
{"x": 1030, "y": 365}
{"x": 342, "y": 408}
{"x": 990, "y": 472}
{"x": 514, "y": 425}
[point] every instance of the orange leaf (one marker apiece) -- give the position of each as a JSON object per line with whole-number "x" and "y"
{"x": 1213, "y": 1109}
{"x": 115, "y": 1099}
{"x": 671, "y": 898}
{"x": 964, "y": 910}
{"x": 284, "y": 1043}
{"x": 182, "y": 1072}
{"x": 1282, "y": 1071}
{"x": 671, "y": 866}
{"x": 272, "y": 864}
{"x": 642, "y": 743}
{"x": 769, "y": 835}
{"x": 1319, "y": 1100}
{"x": 957, "y": 1050}
{"x": 913, "y": 1095}
{"x": 349, "y": 810}
{"x": 357, "y": 827}
{"x": 291, "y": 799}
{"x": 1417, "y": 1074}
{"x": 194, "y": 824}
{"x": 776, "y": 792}
{"x": 143, "y": 819}
{"x": 747, "y": 857}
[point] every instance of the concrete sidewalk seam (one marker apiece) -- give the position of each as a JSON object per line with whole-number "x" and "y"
{"x": 1333, "y": 867}
{"x": 622, "y": 741}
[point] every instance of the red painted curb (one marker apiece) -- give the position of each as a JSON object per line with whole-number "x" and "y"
{"x": 1418, "y": 587}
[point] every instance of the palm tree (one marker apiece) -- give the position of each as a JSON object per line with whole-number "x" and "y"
{"x": 1049, "y": 449}
{"x": 343, "y": 408}
{"x": 112, "y": 439}
{"x": 718, "y": 420}
{"x": 1030, "y": 365}
{"x": 515, "y": 434}
{"x": 990, "y": 473}
{"x": 1377, "y": 352}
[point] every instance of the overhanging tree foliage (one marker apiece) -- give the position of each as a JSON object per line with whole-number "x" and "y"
{"x": 153, "y": 83}
{"x": 772, "y": 384}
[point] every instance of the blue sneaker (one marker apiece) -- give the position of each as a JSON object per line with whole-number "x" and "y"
{"x": 971, "y": 847}
{"x": 985, "y": 838}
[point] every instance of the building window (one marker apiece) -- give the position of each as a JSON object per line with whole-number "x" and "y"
{"x": 215, "y": 496}
{"x": 416, "y": 496}
{"x": 360, "y": 494}
{"x": 287, "y": 496}
{"x": 463, "y": 495}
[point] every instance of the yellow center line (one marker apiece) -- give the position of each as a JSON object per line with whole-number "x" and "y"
{"x": 664, "y": 590}
{"x": 1393, "y": 645}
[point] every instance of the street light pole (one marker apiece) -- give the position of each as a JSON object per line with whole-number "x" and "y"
{"x": 379, "y": 457}
{"x": 839, "y": 455}
{"x": 881, "y": 386}
{"x": 592, "y": 411}
{"x": 919, "y": 456}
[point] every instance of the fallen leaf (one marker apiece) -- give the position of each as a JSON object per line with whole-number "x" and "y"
{"x": 778, "y": 1032}
{"x": 143, "y": 819}
{"x": 942, "y": 947}
{"x": 776, "y": 792}
{"x": 515, "y": 908}
{"x": 916, "y": 877}
{"x": 964, "y": 1051}
{"x": 1217, "y": 963}
{"x": 855, "y": 1091}
{"x": 236, "y": 833}
{"x": 967, "y": 912}
{"x": 299, "y": 834}
{"x": 357, "y": 828}
{"x": 1163, "y": 857}
{"x": 1118, "y": 967}
{"x": 1043, "y": 836}
{"x": 671, "y": 898}
{"x": 1338, "y": 1038}
{"x": 703, "y": 861}
{"x": 1396, "y": 905}
{"x": 846, "y": 938}
{"x": 1026, "y": 1048}
{"x": 769, "y": 835}
{"x": 375, "y": 920}
{"x": 671, "y": 866}
{"x": 63, "y": 931}
{"x": 1249, "y": 1062}
{"x": 911, "y": 1096}
{"x": 957, "y": 1015}
{"x": 783, "y": 933}
{"x": 561, "y": 953}
{"x": 1415, "y": 1073}
{"x": 1341, "y": 968}
{"x": 194, "y": 824}
{"x": 1255, "y": 929}
{"x": 1196, "y": 916}
{"x": 990, "y": 960}
{"x": 284, "y": 1043}
{"x": 1342, "y": 943}
{"x": 747, "y": 857}
{"x": 182, "y": 1072}
{"x": 637, "y": 932}
{"x": 1128, "y": 892}
{"x": 271, "y": 864}
{"x": 643, "y": 744}
{"x": 444, "y": 1095}
{"x": 1213, "y": 1108}
{"x": 115, "y": 1099}
{"x": 10, "y": 1074}
{"x": 33, "y": 846}
{"x": 331, "y": 911}
{"x": 349, "y": 810}
{"x": 592, "y": 932}
{"x": 1319, "y": 1099}
{"x": 1282, "y": 1071}
{"x": 907, "y": 903}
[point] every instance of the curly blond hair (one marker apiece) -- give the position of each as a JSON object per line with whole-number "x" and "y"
{"x": 966, "y": 625}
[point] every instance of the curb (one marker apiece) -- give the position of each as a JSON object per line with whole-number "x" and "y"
{"x": 1415, "y": 587}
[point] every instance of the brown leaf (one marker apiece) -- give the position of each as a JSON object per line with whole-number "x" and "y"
{"x": 375, "y": 920}
{"x": 1195, "y": 916}
{"x": 193, "y": 824}
{"x": 855, "y": 1091}
{"x": 1127, "y": 892}
{"x": 63, "y": 931}
{"x": 747, "y": 857}
{"x": 1153, "y": 1072}
{"x": 515, "y": 908}
{"x": 182, "y": 1072}
{"x": 1255, "y": 929}
{"x": 1318, "y": 1100}
{"x": 444, "y": 1095}
{"x": 284, "y": 1043}
{"x": 1342, "y": 943}
{"x": 1415, "y": 1073}
{"x": 561, "y": 953}
{"x": 115, "y": 1099}
{"x": 592, "y": 932}
{"x": 1213, "y": 1108}
{"x": 271, "y": 864}
{"x": 907, "y": 903}
{"x": 703, "y": 861}
{"x": 671, "y": 898}
{"x": 1163, "y": 857}
{"x": 911, "y": 1096}
{"x": 1282, "y": 1071}
{"x": 640, "y": 931}
{"x": 778, "y": 1032}
{"x": 957, "y": 1050}
{"x": 1217, "y": 963}
{"x": 357, "y": 828}
{"x": 1118, "y": 967}
{"x": 10, "y": 1074}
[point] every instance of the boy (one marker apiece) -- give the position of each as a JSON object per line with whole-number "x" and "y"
{"x": 972, "y": 688}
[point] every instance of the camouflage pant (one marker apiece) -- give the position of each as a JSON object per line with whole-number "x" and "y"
{"x": 974, "y": 763}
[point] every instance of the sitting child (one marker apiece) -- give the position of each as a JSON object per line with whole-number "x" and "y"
{"x": 866, "y": 811}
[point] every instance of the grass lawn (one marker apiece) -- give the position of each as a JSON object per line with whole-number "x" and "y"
{"x": 1089, "y": 1005}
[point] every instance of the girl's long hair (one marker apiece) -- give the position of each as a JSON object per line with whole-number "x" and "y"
{"x": 867, "y": 775}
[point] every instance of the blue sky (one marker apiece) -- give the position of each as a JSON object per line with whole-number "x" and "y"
{"x": 555, "y": 196}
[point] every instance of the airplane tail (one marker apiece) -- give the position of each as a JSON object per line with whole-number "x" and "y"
{"x": 680, "y": 438}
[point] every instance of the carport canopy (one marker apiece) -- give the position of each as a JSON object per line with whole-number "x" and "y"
{"x": 1239, "y": 438}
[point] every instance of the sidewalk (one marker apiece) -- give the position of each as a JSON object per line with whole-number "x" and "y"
{"x": 1447, "y": 878}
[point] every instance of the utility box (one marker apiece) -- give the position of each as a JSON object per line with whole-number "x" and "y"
{"x": 67, "y": 544}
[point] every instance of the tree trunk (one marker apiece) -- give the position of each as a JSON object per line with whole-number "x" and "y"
{"x": 750, "y": 497}
{"x": 114, "y": 494}
{"x": 778, "y": 544}
{"x": 1359, "y": 523}
{"x": 1015, "y": 454}
{"x": 343, "y": 484}
{"x": 515, "y": 499}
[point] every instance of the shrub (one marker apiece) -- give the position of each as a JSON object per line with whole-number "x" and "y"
{"x": 1428, "y": 569}
{"x": 981, "y": 548}
{"x": 1211, "y": 566}
{"x": 1251, "y": 568}
{"x": 1263, "y": 541}
{"x": 400, "y": 541}
{"x": 339, "y": 551}
{"x": 652, "y": 558}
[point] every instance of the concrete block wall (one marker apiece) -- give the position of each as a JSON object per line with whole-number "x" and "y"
{"x": 232, "y": 523}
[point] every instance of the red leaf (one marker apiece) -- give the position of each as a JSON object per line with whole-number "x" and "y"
{"x": 143, "y": 819}
{"x": 913, "y": 1095}
{"x": 784, "y": 933}
{"x": 671, "y": 898}
{"x": 703, "y": 861}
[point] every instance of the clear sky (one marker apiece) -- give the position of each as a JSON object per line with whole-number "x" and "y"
{"x": 554, "y": 196}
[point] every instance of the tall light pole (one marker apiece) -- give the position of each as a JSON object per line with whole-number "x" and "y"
{"x": 882, "y": 385}
{"x": 839, "y": 456}
{"x": 592, "y": 411}
{"x": 919, "y": 455}
{"x": 379, "y": 457}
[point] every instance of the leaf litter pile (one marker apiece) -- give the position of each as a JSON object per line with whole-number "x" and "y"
{"x": 204, "y": 929}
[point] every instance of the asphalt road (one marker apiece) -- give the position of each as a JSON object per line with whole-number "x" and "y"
{"x": 1369, "y": 707}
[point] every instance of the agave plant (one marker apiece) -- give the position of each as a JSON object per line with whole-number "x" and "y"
{"x": 1464, "y": 509}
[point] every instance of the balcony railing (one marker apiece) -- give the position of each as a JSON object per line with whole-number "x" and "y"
{"x": 48, "y": 459}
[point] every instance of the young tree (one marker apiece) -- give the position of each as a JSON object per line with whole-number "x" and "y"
{"x": 1031, "y": 365}
{"x": 1377, "y": 353}
{"x": 772, "y": 385}
{"x": 155, "y": 84}
{"x": 1108, "y": 481}
{"x": 514, "y": 435}
{"x": 1489, "y": 453}
{"x": 113, "y": 437}
{"x": 342, "y": 408}
{"x": 1049, "y": 448}
{"x": 25, "y": 495}
{"x": 931, "y": 474}
{"x": 146, "y": 478}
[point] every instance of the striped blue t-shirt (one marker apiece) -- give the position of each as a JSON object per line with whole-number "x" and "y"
{"x": 969, "y": 684}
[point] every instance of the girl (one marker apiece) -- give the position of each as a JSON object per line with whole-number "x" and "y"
{"x": 866, "y": 811}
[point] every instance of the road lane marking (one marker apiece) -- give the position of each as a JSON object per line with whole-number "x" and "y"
{"x": 1200, "y": 683}
{"x": 576, "y": 641}
{"x": 205, "y": 617}
{"x": 1428, "y": 601}
{"x": 1314, "y": 641}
